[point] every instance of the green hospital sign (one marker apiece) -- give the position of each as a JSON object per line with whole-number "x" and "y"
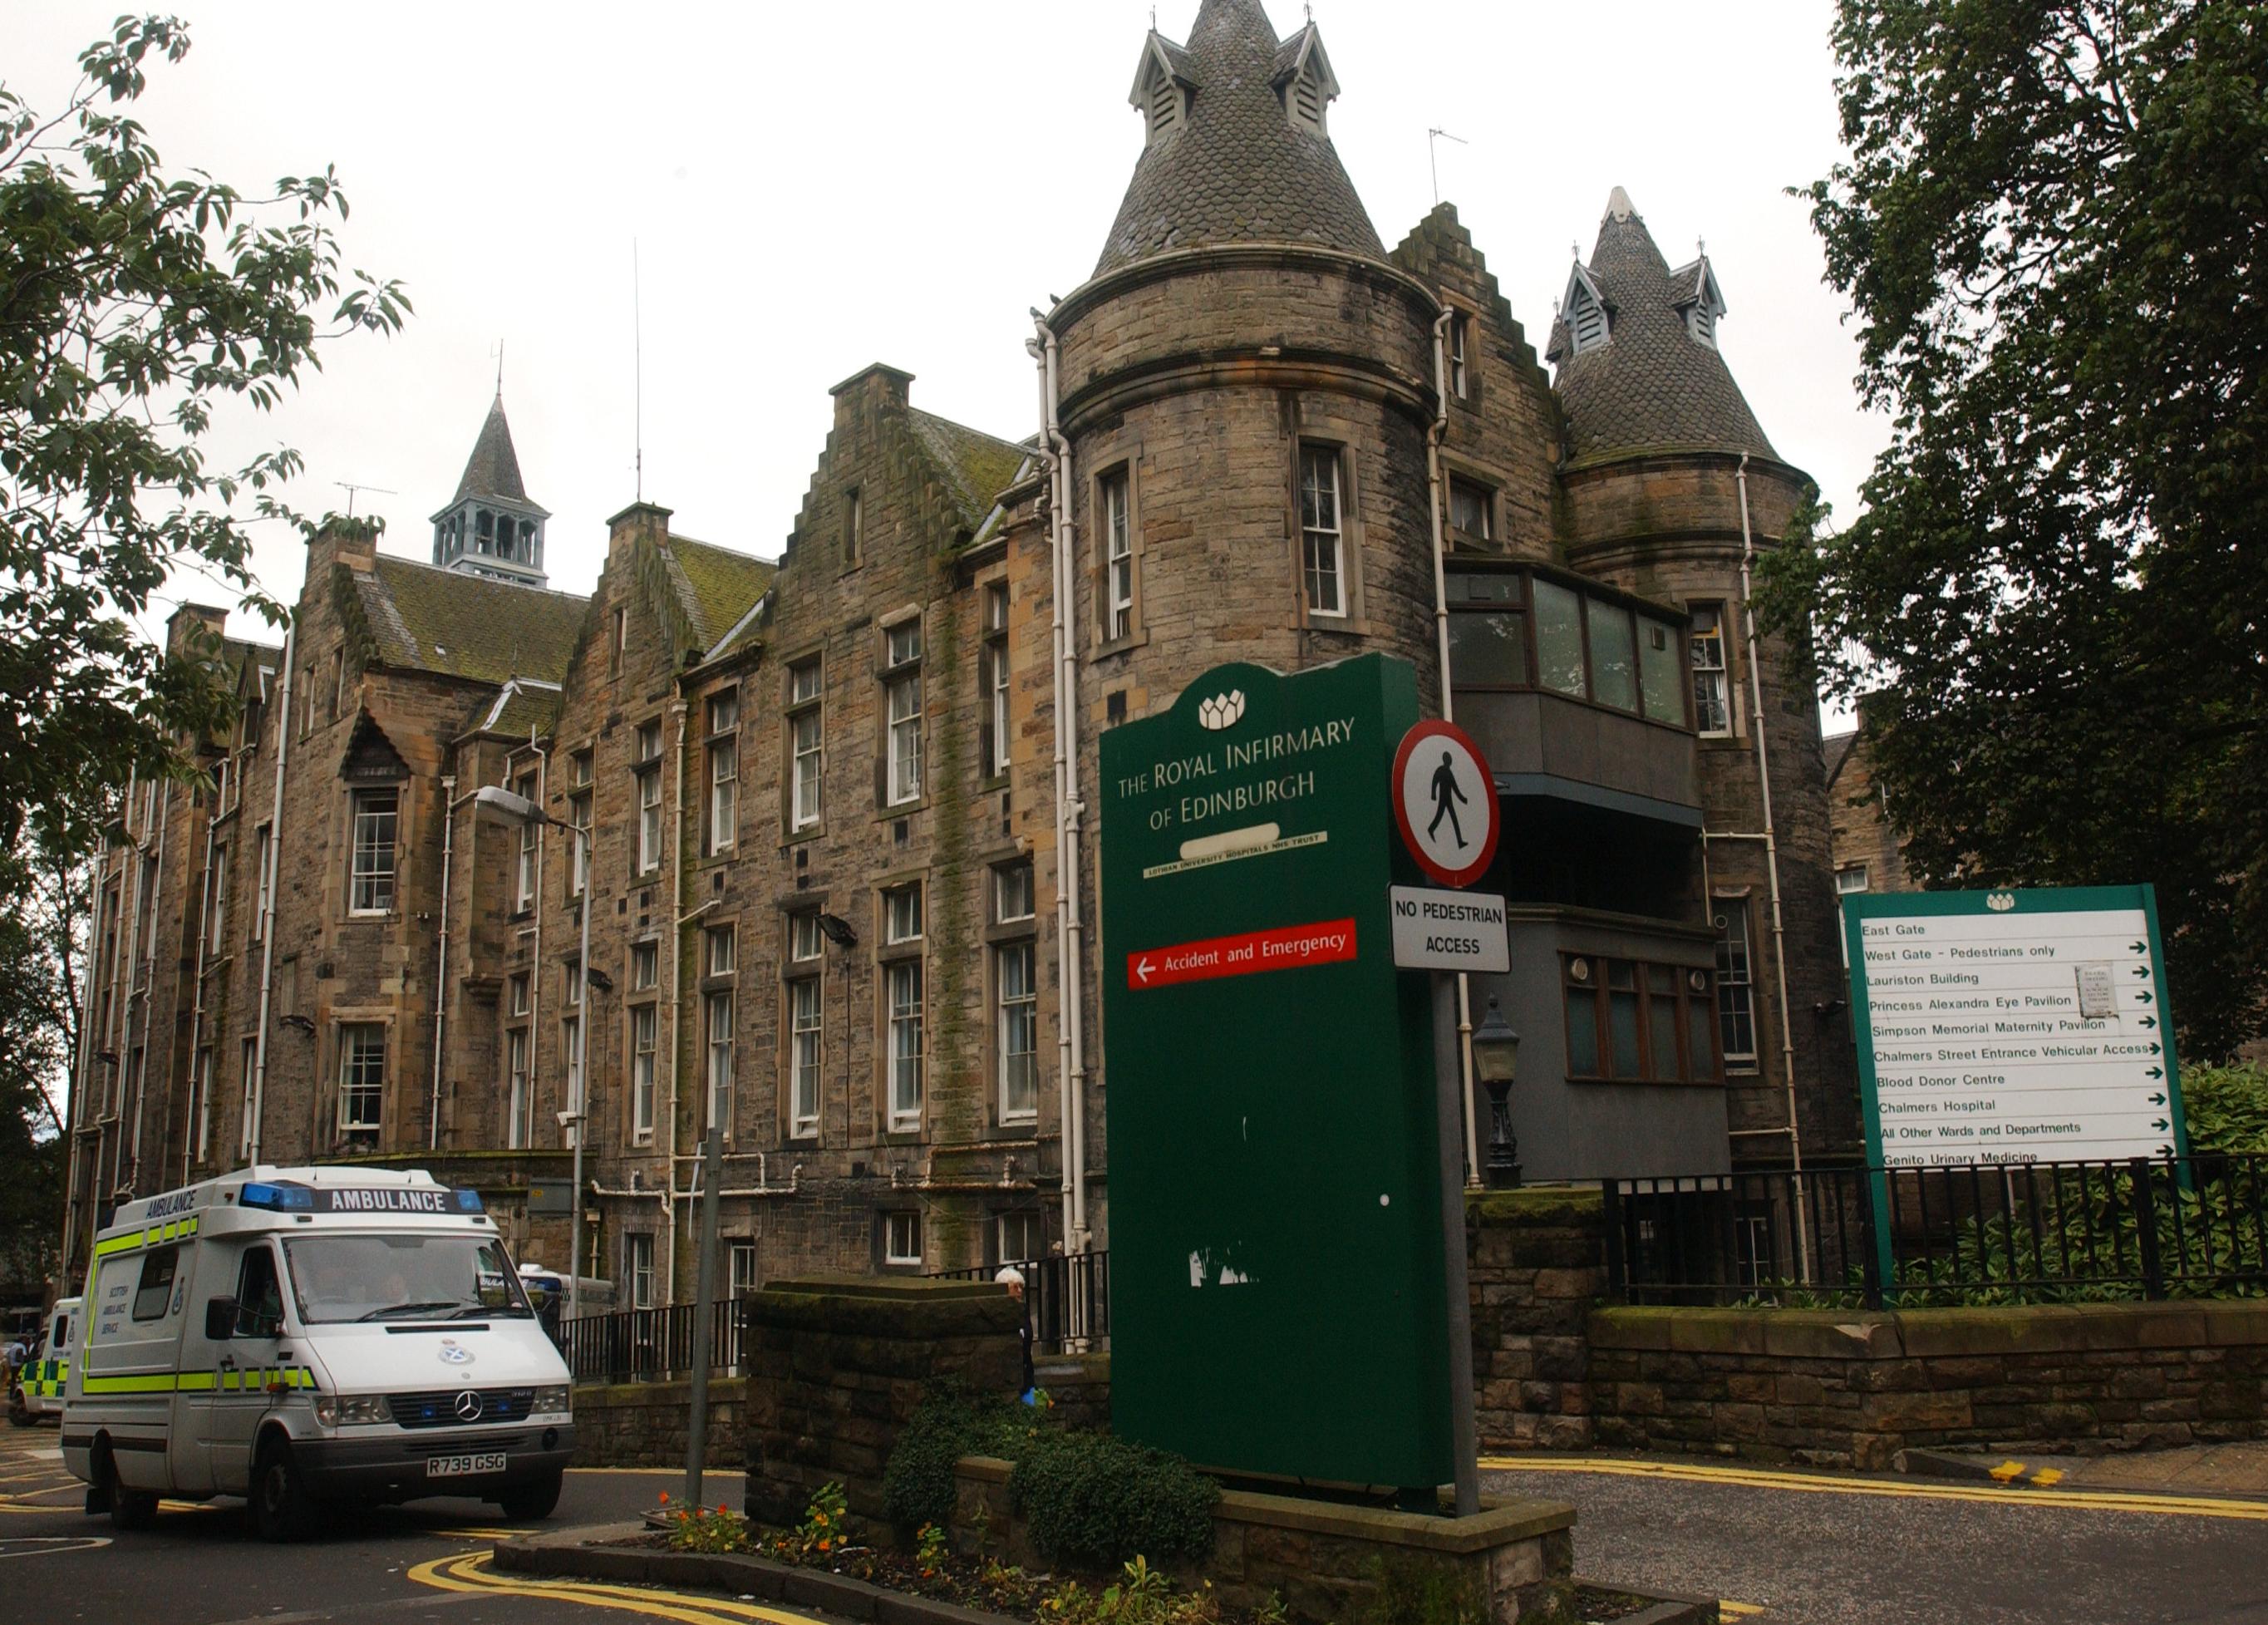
{"x": 1274, "y": 1198}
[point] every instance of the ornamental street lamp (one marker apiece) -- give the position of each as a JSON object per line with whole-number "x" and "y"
{"x": 1496, "y": 1058}
{"x": 499, "y": 805}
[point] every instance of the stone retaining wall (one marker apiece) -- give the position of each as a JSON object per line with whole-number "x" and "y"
{"x": 645, "y": 1424}
{"x": 1851, "y": 1389}
{"x": 1536, "y": 1261}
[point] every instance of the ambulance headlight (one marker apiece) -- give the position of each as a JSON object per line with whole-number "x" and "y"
{"x": 550, "y": 1401}
{"x": 335, "y": 1410}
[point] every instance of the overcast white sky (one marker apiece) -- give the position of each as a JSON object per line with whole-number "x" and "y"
{"x": 815, "y": 188}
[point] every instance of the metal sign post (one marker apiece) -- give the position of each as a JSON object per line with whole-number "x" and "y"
{"x": 705, "y": 1314}
{"x": 1464, "y": 1439}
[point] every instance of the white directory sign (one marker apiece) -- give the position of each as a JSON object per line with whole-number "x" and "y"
{"x": 2013, "y": 1026}
{"x": 1448, "y": 930}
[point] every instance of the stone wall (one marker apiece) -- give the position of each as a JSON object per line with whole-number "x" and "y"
{"x": 1863, "y": 835}
{"x": 1325, "y": 1562}
{"x": 1852, "y": 1390}
{"x": 1537, "y": 1262}
{"x": 838, "y": 1364}
{"x": 646, "y": 1424}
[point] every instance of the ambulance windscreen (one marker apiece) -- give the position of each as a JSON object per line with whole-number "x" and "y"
{"x": 403, "y": 1277}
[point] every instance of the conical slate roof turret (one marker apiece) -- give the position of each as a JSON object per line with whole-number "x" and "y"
{"x": 493, "y": 469}
{"x": 1237, "y": 165}
{"x": 1656, "y": 381}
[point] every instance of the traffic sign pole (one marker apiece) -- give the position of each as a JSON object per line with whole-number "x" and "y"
{"x": 1464, "y": 1440}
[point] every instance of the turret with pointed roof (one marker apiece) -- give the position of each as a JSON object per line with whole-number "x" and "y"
{"x": 489, "y": 527}
{"x": 1635, "y": 346}
{"x": 1238, "y": 147}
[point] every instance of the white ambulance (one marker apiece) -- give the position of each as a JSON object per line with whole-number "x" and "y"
{"x": 40, "y": 1392}
{"x": 298, "y": 1335}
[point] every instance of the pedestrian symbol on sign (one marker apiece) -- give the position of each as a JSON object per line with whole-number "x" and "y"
{"x": 1445, "y": 795}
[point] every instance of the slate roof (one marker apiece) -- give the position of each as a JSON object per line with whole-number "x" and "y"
{"x": 977, "y": 467}
{"x": 1652, "y": 385}
{"x": 1237, "y": 170}
{"x": 423, "y": 619}
{"x": 493, "y": 469}
{"x": 715, "y": 587}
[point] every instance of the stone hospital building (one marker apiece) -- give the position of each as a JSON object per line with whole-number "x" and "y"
{"x": 830, "y": 813}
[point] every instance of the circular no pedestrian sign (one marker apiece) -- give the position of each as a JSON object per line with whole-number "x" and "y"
{"x": 1445, "y": 802}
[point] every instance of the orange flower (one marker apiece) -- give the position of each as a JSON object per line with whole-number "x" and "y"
{"x": 665, "y": 1497}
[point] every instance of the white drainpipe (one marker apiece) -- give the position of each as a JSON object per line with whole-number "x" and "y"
{"x": 205, "y": 923}
{"x": 535, "y": 959}
{"x": 1070, "y": 929}
{"x": 441, "y": 957}
{"x": 1771, "y": 852}
{"x": 163, "y": 808}
{"x": 267, "y": 913}
{"x": 679, "y": 711}
{"x": 1434, "y": 434}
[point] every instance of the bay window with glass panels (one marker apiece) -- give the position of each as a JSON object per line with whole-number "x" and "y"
{"x": 1630, "y": 1021}
{"x": 1527, "y": 629}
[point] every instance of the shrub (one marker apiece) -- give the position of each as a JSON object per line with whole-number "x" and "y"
{"x": 1089, "y": 1499}
{"x": 697, "y": 1529}
{"x": 917, "y": 1480}
{"x": 2227, "y": 1107}
{"x": 1420, "y": 1590}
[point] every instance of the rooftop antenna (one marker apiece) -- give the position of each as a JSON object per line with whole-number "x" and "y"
{"x": 637, "y": 379}
{"x": 1434, "y": 140}
{"x": 350, "y": 488}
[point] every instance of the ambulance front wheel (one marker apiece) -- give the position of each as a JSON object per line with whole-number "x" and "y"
{"x": 280, "y": 1508}
{"x": 537, "y": 1498}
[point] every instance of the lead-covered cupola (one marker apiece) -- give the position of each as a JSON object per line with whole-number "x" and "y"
{"x": 490, "y": 528}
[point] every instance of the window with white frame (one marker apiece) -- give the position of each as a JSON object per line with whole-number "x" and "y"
{"x": 516, "y": 1091}
{"x": 993, "y": 683}
{"x": 723, "y": 771}
{"x": 901, "y": 915}
{"x": 261, "y": 880}
{"x": 1118, "y": 555}
{"x": 646, "y": 1024}
{"x": 637, "y": 1268}
{"x": 530, "y": 836}
{"x": 1736, "y": 1013}
{"x": 216, "y": 900}
{"x": 200, "y": 1114}
{"x": 570, "y": 1046}
{"x": 221, "y": 787}
{"x": 903, "y": 991}
{"x": 807, "y": 1026}
{"x": 570, "y": 977}
{"x": 740, "y": 1276}
{"x": 248, "y": 1074}
{"x": 1850, "y": 881}
{"x": 518, "y": 993}
{"x": 1012, "y": 893}
{"x": 806, "y": 943}
{"x": 648, "y": 775}
{"x": 720, "y": 951}
{"x": 901, "y": 1236}
{"x": 716, "y": 1023}
{"x": 1472, "y": 509}
{"x": 645, "y": 966}
{"x": 1460, "y": 337}
{"x": 1712, "y": 709}
{"x": 901, "y": 690}
{"x": 362, "y": 1076}
{"x": 854, "y": 525}
{"x": 371, "y": 888}
{"x": 1019, "y": 1237}
{"x": 804, "y": 740}
{"x": 1016, "y": 1004}
{"x": 578, "y": 814}
{"x": 1323, "y": 541}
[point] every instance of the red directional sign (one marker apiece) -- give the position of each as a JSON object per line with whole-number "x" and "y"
{"x": 1245, "y": 954}
{"x": 1445, "y": 802}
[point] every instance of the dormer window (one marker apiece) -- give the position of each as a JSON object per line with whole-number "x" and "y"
{"x": 1304, "y": 102}
{"x": 1164, "y": 106}
{"x": 1702, "y": 302}
{"x": 1701, "y": 322}
{"x": 1588, "y": 326}
{"x": 1305, "y": 82}
{"x": 1161, "y": 91}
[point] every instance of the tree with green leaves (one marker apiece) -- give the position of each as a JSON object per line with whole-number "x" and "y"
{"x": 133, "y": 307}
{"x": 2053, "y": 224}
{"x": 42, "y": 940}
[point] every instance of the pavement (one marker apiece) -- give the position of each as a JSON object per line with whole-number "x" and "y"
{"x": 1785, "y": 1547}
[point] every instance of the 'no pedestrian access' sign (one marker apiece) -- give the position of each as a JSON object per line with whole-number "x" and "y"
{"x": 1449, "y": 931}
{"x": 1445, "y": 803}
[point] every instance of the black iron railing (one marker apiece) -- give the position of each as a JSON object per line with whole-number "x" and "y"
{"x": 647, "y": 1345}
{"x": 1973, "y": 1233}
{"x": 1066, "y": 1298}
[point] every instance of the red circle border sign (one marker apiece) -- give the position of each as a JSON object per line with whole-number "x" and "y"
{"x": 1478, "y": 866}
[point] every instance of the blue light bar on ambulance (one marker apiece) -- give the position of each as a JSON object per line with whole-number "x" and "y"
{"x": 281, "y": 1197}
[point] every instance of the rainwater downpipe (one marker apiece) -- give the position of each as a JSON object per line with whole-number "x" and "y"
{"x": 1435, "y": 434}
{"x": 1771, "y": 857}
{"x": 122, "y": 1000}
{"x": 535, "y": 959}
{"x": 1068, "y": 927}
{"x": 164, "y": 808}
{"x": 203, "y": 1091}
{"x": 449, "y": 805}
{"x": 258, "y": 1105}
{"x": 76, "y": 1106}
{"x": 678, "y": 711}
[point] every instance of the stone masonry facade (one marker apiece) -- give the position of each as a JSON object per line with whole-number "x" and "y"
{"x": 813, "y": 804}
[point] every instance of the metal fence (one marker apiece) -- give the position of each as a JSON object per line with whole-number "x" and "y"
{"x": 1066, "y": 1298}
{"x": 1972, "y": 1233}
{"x": 647, "y": 1345}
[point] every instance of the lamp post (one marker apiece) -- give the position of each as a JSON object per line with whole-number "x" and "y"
{"x": 1496, "y": 1058}
{"x": 501, "y": 806}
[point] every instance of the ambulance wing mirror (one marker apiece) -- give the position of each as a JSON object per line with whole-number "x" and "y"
{"x": 220, "y": 1319}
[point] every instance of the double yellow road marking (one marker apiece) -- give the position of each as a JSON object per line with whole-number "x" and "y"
{"x": 1821, "y": 1484}
{"x": 473, "y": 1573}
